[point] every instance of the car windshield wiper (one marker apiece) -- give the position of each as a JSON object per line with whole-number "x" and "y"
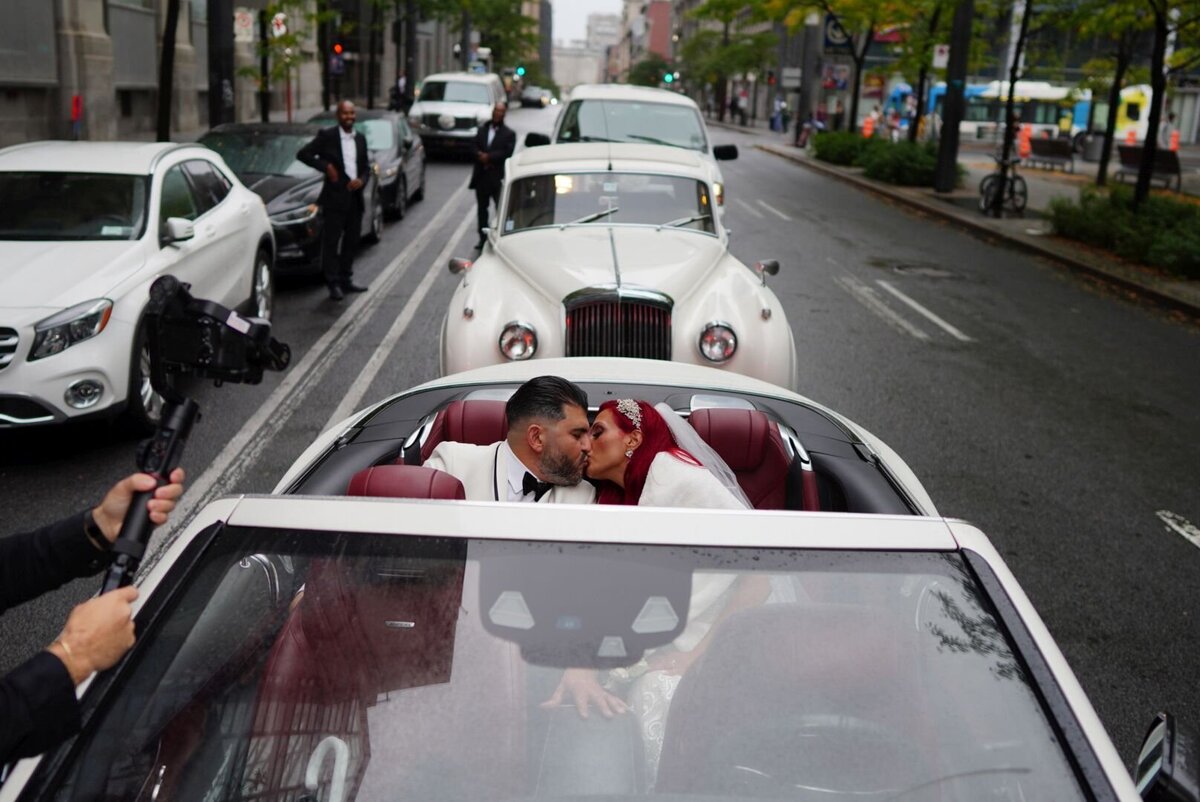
{"x": 683, "y": 221}
{"x": 654, "y": 141}
{"x": 594, "y": 139}
{"x": 588, "y": 218}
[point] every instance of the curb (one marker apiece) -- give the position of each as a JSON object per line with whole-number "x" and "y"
{"x": 1120, "y": 277}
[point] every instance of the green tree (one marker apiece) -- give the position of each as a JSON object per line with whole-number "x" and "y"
{"x": 285, "y": 51}
{"x": 502, "y": 27}
{"x": 716, "y": 55}
{"x": 649, "y": 71}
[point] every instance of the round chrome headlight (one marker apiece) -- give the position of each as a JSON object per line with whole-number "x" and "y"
{"x": 718, "y": 342}
{"x": 518, "y": 341}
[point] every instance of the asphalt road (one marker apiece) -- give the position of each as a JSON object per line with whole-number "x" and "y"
{"x": 1054, "y": 413}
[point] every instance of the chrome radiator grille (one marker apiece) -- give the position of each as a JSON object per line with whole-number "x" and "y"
{"x": 8, "y": 346}
{"x": 619, "y": 326}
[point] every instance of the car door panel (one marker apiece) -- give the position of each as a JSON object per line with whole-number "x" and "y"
{"x": 228, "y": 256}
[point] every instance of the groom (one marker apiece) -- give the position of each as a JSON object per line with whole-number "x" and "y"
{"x": 543, "y": 457}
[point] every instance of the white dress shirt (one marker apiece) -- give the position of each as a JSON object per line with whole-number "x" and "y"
{"x": 491, "y": 135}
{"x": 515, "y": 470}
{"x": 349, "y": 153}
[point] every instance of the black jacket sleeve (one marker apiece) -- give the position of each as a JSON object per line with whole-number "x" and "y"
{"x": 364, "y": 163}
{"x": 37, "y": 562}
{"x": 311, "y": 153}
{"x": 38, "y": 708}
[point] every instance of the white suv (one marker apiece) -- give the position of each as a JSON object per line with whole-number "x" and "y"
{"x": 451, "y": 106}
{"x": 85, "y": 228}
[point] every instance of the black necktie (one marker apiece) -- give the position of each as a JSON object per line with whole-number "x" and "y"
{"x": 530, "y": 484}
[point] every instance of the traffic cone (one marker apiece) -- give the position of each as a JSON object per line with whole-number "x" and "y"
{"x": 868, "y": 127}
{"x": 1175, "y": 140}
{"x": 1131, "y": 137}
{"x": 1024, "y": 137}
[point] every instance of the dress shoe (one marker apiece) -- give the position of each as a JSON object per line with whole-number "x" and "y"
{"x": 350, "y": 286}
{"x": 479, "y": 245}
{"x": 335, "y": 292}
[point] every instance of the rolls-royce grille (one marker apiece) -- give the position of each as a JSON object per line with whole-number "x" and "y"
{"x": 8, "y": 346}
{"x": 624, "y": 327}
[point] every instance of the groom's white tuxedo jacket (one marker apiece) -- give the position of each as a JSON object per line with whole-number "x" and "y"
{"x": 484, "y": 474}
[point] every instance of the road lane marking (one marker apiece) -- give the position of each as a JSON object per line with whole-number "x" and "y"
{"x": 354, "y": 395}
{"x": 870, "y": 299}
{"x": 244, "y": 448}
{"x": 1181, "y": 526}
{"x": 748, "y": 208}
{"x": 954, "y": 332}
{"x": 773, "y": 210}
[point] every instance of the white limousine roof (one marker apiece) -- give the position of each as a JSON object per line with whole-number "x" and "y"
{"x": 618, "y": 156}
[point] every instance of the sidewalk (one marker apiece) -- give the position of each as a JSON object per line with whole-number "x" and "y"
{"x": 1030, "y": 233}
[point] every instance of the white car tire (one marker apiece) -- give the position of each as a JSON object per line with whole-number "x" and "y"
{"x": 261, "y": 302}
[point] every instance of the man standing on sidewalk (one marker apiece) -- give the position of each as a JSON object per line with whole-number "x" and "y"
{"x": 494, "y": 143}
{"x": 340, "y": 153}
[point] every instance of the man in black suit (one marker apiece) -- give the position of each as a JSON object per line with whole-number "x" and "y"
{"x": 38, "y": 709}
{"x": 494, "y": 143}
{"x": 341, "y": 153}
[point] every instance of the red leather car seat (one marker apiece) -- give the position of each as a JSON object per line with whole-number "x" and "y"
{"x": 751, "y": 445}
{"x": 405, "y": 481}
{"x": 478, "y": 421}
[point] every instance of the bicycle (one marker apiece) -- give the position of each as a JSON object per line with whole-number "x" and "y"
{"x": 1016, "y": 192}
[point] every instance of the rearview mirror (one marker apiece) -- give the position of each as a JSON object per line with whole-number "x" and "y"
{"x": 725, "y": 152}
{"x": 459, "y": 265}
{"x": 176, "y": 229}
{"x": 1168, "y": 766}
{"x": 533, "y": 140}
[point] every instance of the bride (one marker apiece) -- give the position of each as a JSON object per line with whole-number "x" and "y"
{"x": 649, "y": 456}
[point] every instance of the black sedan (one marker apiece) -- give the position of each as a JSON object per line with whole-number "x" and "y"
{"x": 396, "y": 150}
{"x": 263, "y": 155}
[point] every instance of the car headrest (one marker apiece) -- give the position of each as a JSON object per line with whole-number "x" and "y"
{"x": 405, "y": 481}
{"x": 478, "y": 421}
{"x": 738, "y": 435}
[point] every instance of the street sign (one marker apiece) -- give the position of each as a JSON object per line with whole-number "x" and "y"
{"x": 791, "y": 77}
{"x": 279, "y": 25}
{"x": 941, "y": 56}
{"x": 836, "y": 38}
{"x": 337, "y": 64}
{"x": 243, "y": 25}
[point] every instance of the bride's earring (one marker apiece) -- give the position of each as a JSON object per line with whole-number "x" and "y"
{"x": 629, "y": 453}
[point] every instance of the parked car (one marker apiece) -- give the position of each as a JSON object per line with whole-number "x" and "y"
{"x": 85, "y": 228}
{"x": 535, "y": 97}
{"x": 264, "y": 157}
{"x": 364, "y": 635}
{"x": 639, "y": 114}
{"x": 450, "y": 107}
{"x": 614, "y": 250}
{"x": 397, "y": 152}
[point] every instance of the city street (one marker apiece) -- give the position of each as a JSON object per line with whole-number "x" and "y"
{"x": 1056, "y": 413}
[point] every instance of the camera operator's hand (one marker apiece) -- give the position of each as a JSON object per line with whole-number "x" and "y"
{"x": 111, "y": 511}
{"x": 97, "y": 634}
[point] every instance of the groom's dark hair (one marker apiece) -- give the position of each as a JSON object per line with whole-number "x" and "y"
{"x": 543, "y": 397}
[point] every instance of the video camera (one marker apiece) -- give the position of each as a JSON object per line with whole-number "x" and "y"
{"x": 186, "y": 336}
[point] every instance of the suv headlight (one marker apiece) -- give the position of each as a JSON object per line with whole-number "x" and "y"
{"x": 298, "y": 214}
{"x": 59, "y": 332}
{"x": 518, "y": 341}
{"x": 718, "y": 342}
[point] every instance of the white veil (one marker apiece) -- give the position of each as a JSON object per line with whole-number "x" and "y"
{"x": 687, "y": 439}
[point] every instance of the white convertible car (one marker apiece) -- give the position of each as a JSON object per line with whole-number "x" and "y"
{"x": 604, "y": 249}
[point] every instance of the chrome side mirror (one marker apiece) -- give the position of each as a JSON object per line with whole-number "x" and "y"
{"x": 766, "y": 267}
{"x": 176, "y": 229}
{"x": 459, "y": 265}
{"x": 1167, "y": 768}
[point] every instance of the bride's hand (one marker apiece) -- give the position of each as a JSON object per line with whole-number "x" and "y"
{"x": 582, "y": 688}
{"x": 672, "y": 663}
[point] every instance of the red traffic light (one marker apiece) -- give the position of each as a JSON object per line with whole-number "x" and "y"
{"x": 337, "y": 48}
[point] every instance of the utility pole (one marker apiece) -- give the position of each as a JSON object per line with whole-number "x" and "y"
{"x": 410, "y": 51}
{"x": 946, "y": 174}
{"x": 220, "y": 62}
{"x": 166, "y": 72}
{"x": 264, "y": 86}
{"x": 466, "y": 39}
{"x": 372, "y": 61}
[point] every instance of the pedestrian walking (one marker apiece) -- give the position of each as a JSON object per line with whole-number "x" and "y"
{"x": 1165, "y": 129}
{"x": 839, "y": 115}
{"x": 494, "y": 143}
{"x": 340, "y": 153}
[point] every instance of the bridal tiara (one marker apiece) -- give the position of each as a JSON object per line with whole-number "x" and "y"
{"x": 632, "y": 410}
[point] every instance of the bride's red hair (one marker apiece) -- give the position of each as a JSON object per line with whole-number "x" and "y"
{"x": 656, "y": 438}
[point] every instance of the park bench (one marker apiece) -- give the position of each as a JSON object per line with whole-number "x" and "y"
{"x": 1052, "y": 153}
{"x": 1166, "y": 165}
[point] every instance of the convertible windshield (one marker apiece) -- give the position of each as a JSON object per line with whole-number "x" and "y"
{"x": 607, "y": 198}
{"x": 633, "y": 121}
{"x": 72, "y": 206}
{"x": 259, "y": 153}
{"x": 455, "y": 92}
{"x": 310, "y": 664}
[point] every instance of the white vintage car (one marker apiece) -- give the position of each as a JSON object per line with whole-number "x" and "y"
{"x": 606, "y": 249}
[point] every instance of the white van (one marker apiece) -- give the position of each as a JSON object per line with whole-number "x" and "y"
{"x": 450, "y": 107}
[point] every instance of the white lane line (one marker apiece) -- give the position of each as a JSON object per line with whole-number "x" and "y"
{"x": 870, "y": 299}
{"x": 773, "y": 210}
{"x": 748, "y": 208}
{"x": 1180, "y": 525}
{"x": 362, "y": 383}
{"x": 954, "y": 332}
{"x": 241, "y": 452}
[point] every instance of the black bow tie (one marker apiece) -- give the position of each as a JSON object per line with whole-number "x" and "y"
{"x": 530, "y": 484}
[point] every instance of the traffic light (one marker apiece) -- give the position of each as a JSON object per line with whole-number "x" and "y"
{"x": 770, "y": 77}
{"x": 520, "y": 71}
{"x": 337, "y": 48}
{"x": 669, "y": 78}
